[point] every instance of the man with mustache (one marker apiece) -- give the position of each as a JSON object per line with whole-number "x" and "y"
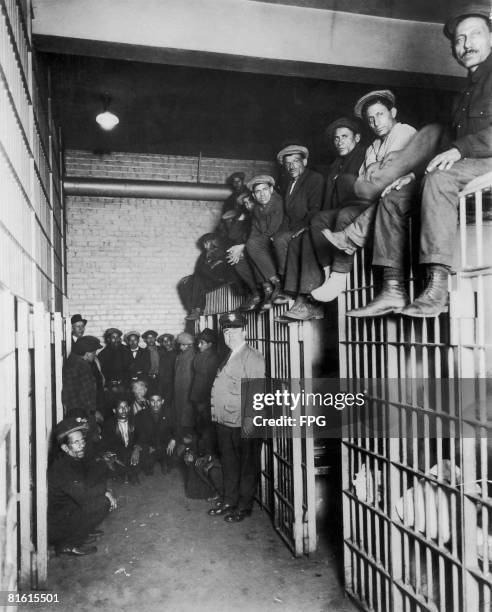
{"x": 468, "y": 156}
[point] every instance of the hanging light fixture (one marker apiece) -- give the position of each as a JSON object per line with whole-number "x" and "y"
{"x": 106, "y": 119}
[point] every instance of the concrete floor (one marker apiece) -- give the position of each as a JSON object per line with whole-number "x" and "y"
{"x": 161, "y": 551}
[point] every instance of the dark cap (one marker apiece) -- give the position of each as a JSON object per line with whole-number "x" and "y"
{"x": 384, "y": 94}
{"x": 69, "y": 425}
{"x": 162, "y": 336}
{"x": 471, "y": 9}
{"x": 239, "y": 175}
{"x": 77, "y": 318}
{"x": 112, "y": 330}
{"x": 149, "y": 332}
{"x": 131, "y": 333}
{"x": 86, "y": 344}
{"x": 230, "y": 214}
{"x": 208, "y": 237}
{"x": 208, "y": 335}
{"x": 232, "y": 319}
{"x": 343, "y": 122}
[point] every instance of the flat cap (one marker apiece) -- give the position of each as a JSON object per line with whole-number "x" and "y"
{"x": 208, "y": 335}
{"x": 385, "y": 94}
{"x": 77, "y": 318}
{"x": 149, "y": 332}
{"x": 292, "y": 150}
{"x": 86, "y": 344}
{"x": 112, "y": 330}
{"x": 260, "y": 179}
{"x": 70, "y": 424}
{"x": 162, "y": 336}
{"x": 343, "y": 122}
{"x": 184, "y": 338}
{"x": 239, "y": 175}
{"x": 130, "y": 333}
{"x": 232, "y": 319}
{"x": 470, "y": 9}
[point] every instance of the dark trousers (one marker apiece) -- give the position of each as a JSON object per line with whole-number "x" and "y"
{"x": 260, "y": 250}
{"x": 439, "y": 212}
{"x": 335, "y": 220}
{"x": 73, "y": 528}
{"x": 245, "y": 272}
{"x": 281, "y": 241}
{"x": 241, "y": 465}
{"x": 149, "y": 459}
{"x": 302, "y": 272}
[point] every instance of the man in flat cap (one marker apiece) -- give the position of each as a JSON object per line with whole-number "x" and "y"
{"x": 468, "y": 155}
{"x": 378, "y": 109}
{"x": 304, "y": 273}
{"x": 303, "y": 197}
{"x": 240, "y": 453}
{"x": 205, "y": 364}
{"x": 266, "y": 220}
{"x": 79, "y": 385}
{"x": 76, "y": 502}
{"x": 150, "y": 338}
{"x": 114, "y": 358}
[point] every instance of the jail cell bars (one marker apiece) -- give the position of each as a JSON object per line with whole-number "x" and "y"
{"x": 286, "y": 489}
{"x": 417, "y": 532}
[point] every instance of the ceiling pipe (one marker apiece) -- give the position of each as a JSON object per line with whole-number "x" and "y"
{"x": 123, "y": 188}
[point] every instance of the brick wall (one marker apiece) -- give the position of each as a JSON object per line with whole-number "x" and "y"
{"x": 125, "y": 255}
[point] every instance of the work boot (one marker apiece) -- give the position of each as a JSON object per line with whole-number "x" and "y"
{"x": 340, "y": 241}
{"x": 250, "y": 303}
{"x": 434, "y": 298}
{"x": 331, "y": 288}
{"x": 302, "y": 310}
{"x": 194, "y": 314}
{"x": 393, "y": 298}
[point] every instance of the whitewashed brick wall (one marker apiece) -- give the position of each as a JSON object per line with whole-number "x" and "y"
{"x": 125, "y": 255}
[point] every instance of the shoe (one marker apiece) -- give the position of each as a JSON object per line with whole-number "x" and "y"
{"x": 276, "y": 288}
{"x": 305, "y": 312}
{"x": 392, "y": 299}
{"x": 331, "y": 288}
{"x": 281, "y": 299}
{"x": 340, "y": 241}
{"x": 237, "y": 516}
{"x": 194, "y": 315}
{"x": 250, "y": 303}
{"x": 222, "y": 510}
{"x": 433, "y": 300}
{"x": 283, "y": 319}
{"x": 96, "y": 533}
{"x": 76, "y": 551}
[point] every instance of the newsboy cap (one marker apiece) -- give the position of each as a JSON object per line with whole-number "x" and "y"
{"x": 342, "y": 122}
{"x": 162, "y": 336}
{"x": 385, "y": 94}
{"x": 130, "y": 333}
{"x": 260, "y": 179}
{"x": 70, "y": 424}
{"x": 208, "y": 335}
{"x": 149, "y": 332}
{"x": 471, "y": 9}
{"x": 232, "y": 319}
{"x": 77, "y": 318}
{"x": 86, "y": 344}
{"x": 184, "y": 338}
{"x": 292, "y": 150}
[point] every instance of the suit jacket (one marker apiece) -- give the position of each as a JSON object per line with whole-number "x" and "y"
{"x": 304, "y": 201}
{"x": 341, "y": 178}
{"x": 112, "y": 439}
{"x": 114, "y": 362}
{"x": 138, "y": 366}
{"x": 204, "y": 371}
{"x": 151, "y": 433}
{"x": 230, "y": 403}
{"x": 267, "y": 220}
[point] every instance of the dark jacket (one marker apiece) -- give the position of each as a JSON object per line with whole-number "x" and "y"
{"x": 235, "y": 231}
{"x": 149, "y": 432}
{"x": 266, "y": 220}
{"x": 473, "y": 114}
{"x": 114, "y": 362}
{"x": 204, "y": 371}
{"x": 341, "y": 178}
{"x": 304, "y": 201}
{"x": 112, "y": 439}
{"x": 183, "y": 409}
{"x": 167, "y": 366}
{"x": 79, "y": 392}
{"x": 138, "y": 366}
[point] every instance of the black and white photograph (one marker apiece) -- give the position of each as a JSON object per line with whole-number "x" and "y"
{"x": 245, "y": 305}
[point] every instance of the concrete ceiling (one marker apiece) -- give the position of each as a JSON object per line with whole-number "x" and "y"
{"x": 236, "y": 78}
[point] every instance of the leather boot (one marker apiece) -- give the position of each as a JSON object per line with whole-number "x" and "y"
{"x": 393, "y": 298}
{"x": 434, "y": 298}
{"x": 194, "y": 314}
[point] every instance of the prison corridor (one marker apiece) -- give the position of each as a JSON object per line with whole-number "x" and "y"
{"x": 161, "y": 551}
